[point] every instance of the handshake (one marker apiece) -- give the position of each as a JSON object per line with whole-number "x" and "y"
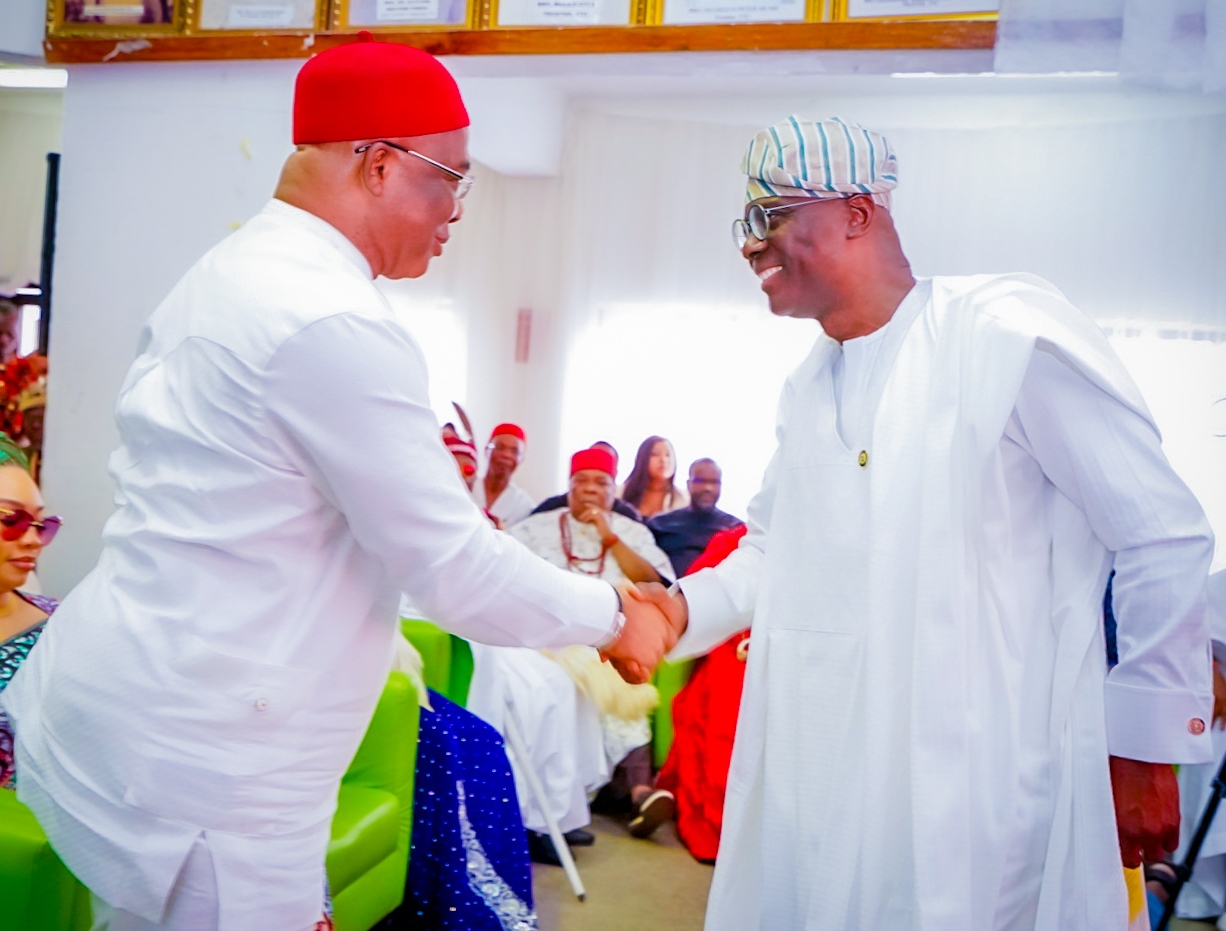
{"x": 654, "y": 621}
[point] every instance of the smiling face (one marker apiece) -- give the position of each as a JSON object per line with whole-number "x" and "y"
{"x": 803, "y": 264}
{"x": 18, "y": 558}
{"x": 411, "y": 218}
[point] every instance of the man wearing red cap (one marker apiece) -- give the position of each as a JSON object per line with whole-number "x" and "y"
{"x": 496, "y": 493}
{"x": 579, "y": 726}
{"x": 184, "y": 724}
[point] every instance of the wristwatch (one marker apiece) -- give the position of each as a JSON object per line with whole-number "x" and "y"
{"x": 619, "y": 622}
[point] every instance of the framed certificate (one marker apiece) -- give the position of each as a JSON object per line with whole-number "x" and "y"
{"x": 373, "y": 14}
{"x": 693, "y": 12}
{"x": 257, "y": 15}
{"x": 562, "y": 12}
{"x": 106, "y": 17}
{"x": 924, "y": 9}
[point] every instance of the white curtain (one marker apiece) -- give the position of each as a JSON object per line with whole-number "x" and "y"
{"x": 1179, "y": 44}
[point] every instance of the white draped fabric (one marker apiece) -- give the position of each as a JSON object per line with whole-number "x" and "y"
{"x": 1179, "y": 44}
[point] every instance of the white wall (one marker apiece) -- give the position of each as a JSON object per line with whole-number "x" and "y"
{"x": 21, "y": 28}
{"x": 161, "y": 161}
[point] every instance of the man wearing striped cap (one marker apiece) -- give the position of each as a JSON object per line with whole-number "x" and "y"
{"x": 930, "y": 737}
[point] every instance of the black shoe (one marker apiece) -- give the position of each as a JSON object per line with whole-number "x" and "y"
{"x": 580, "y": 838}
{"x": 541, "y": 849}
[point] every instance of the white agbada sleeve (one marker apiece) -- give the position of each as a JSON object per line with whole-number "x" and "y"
{"x": 348, "y": 397}
{"x": 1107, "y": 459}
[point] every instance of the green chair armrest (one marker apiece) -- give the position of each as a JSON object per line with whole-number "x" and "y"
{"x": 435, "y": 646}
{"x": 669, "y": 679}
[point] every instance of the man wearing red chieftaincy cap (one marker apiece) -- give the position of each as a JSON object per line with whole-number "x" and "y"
{"x": 184, "y": 724}
{"x": 496, "y": 493}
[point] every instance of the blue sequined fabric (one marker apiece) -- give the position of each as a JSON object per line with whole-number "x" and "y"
{"x": 468, "y": 869}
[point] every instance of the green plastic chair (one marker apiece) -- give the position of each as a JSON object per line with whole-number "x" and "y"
{"x": 37, "y": 893}
{"x": 669, "y": 678}
{"x": 367, "y": 859}
{"x": 447, "y": 659}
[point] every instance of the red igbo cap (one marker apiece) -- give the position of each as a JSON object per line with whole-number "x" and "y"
{"x": 368, "y": 90}
{"x": 508, "y": 429}
{"x": 459, "y": 445}
{"x": 599, "y": 459}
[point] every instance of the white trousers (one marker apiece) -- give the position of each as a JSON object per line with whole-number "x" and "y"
{"x": 192, "y": 905}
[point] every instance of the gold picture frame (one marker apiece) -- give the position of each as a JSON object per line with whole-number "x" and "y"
{"x": 401, "y": 15}
{"x": 570, "y": 14}
{"x": 107, "y": 18}
{"x": 259, "y": 16}
{"x": 863, "y": 11}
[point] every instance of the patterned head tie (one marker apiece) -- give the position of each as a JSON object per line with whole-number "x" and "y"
{"x": 819, "y": 158}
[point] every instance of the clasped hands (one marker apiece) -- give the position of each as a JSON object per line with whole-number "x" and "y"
{"x": 654, "y": 621}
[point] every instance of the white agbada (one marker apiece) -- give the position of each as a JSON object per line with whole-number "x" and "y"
{"x": 926, "y": 722}
{"x": 1204, "y": 896}
{"x": 280, "y": 480}
{"x": 573, "y": 747}
{"x": 510, "y": 507}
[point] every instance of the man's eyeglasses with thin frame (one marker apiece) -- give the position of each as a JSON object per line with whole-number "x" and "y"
{"x": 757, "y": 221}
{"x": 465, "y": 181}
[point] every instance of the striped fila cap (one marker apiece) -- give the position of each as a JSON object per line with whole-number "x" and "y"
{"x": 819, "y": 158}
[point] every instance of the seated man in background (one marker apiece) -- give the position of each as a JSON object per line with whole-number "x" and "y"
{"x": 578, "y": 718}
{"x": 619, "y": 506}
{"x": 497, "y": 495}
{"x": 684, "y": 533}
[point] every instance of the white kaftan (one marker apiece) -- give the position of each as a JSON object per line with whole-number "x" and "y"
{"x": 280, "y": 480}
{"x": 510, "y": 507}
{"x": 573, "y": 747}
{"x": 927, "y": 717}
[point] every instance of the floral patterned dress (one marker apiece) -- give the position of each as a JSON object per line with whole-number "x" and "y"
{"x": 13, "y": 653}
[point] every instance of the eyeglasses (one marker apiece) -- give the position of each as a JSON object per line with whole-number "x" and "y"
{"x": 465, "y": 181}
{"x": 15, "y": 523}
{"x": 757, "y": 222}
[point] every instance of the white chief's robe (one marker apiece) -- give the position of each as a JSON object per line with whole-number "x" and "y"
{"x": 510, "y": 507}
{"x": 927, "y": 717}
{"x": 280, "y": 480}
{"x": 573, "y": 747}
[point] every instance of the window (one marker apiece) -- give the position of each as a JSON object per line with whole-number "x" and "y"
{"x": 706, "y": 377}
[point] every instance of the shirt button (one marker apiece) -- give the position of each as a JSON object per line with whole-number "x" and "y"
{"x": 863, "y": 460}
{"x": 1196, "y": 726}
{"x": 261, "y": 704}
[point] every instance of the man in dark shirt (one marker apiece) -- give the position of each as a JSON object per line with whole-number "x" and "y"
{"x": 685, "y": 533}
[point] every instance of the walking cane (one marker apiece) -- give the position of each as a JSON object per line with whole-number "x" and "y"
{"x": 1183, "y": 872}
{"x": 519, "y": 752}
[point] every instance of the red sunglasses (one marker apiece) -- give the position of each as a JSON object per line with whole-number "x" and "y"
{"x": 15, "y": 523}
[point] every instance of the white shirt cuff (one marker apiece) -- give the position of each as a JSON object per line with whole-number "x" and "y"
{"x": 1158, "y": 726}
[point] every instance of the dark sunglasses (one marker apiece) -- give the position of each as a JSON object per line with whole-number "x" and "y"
{"x": 15, "y": 523}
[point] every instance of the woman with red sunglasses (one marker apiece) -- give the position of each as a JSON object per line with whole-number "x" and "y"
{"x": 23, "y": 534}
